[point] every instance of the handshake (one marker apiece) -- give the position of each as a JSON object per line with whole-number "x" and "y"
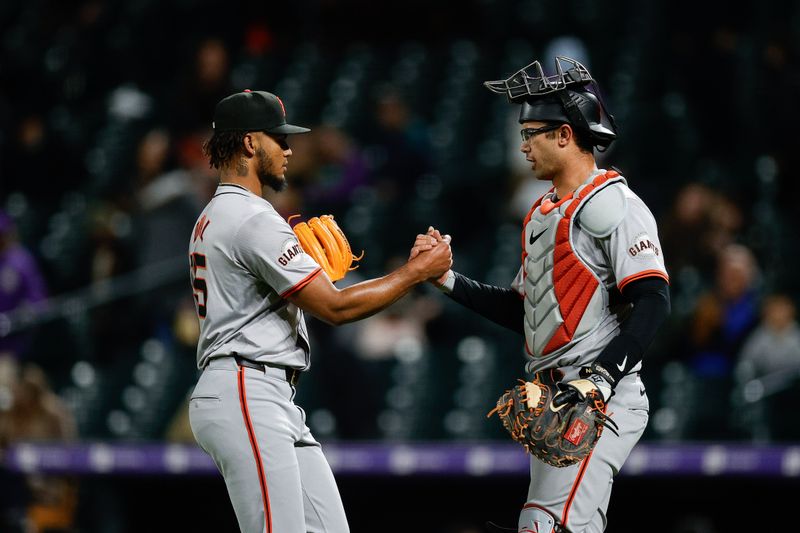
{"x": 321, "y": 238}
{"x": 432, "y": 254}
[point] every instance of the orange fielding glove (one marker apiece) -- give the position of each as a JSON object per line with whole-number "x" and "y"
{"x": 326, "y": 243}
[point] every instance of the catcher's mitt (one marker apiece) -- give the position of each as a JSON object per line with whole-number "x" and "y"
{"x": 327, "y": 244}
{"x": 559, "y": 436}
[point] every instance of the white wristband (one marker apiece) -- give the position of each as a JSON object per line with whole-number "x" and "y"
{"x": 449, "y": 283}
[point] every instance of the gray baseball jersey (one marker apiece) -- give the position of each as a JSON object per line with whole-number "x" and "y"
{"x": 248, "y": 260}
{"x": 245, "y": 260}
{"x": 576, "y": 251}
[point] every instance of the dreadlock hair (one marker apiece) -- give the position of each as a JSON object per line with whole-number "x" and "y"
{"x": 223, "y": 147}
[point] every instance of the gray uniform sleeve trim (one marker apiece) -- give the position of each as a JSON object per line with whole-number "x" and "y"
{"x": 302, "y": 283}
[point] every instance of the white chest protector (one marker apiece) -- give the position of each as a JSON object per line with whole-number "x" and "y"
{"x": 564, "y": 299}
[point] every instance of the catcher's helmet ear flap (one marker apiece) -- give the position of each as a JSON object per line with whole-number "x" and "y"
{"x": 587, "y": 112}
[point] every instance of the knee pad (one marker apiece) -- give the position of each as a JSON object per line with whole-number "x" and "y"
{"x": 535, "y": 519}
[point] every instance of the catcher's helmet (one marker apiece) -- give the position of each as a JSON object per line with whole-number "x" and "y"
{"x": 562, "y": 97}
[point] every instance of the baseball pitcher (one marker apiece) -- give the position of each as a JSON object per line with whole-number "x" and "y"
{"x": 252, "y": 282}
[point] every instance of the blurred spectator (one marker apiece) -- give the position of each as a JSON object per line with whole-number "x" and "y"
{"x": 110, "y": 231}
{"x": 774, "y": 346}
{"x": 768, "y": 372}
{"x": 15, "y": 494}
{"x": 379, "y": 338}
{"x": 35, "y": 413}
{"x": 125, "y": 237}
{"x": 726, "y": 221}
{"x": 399, "y": 148}
{"x": 112, "y": 254}
{"x": 203, "y": 179}
{"x": 683, "y": 229}
{"x": 725, "y": 315}
{"x": 398, "y": 152}
{"x": 148, "y": 185}
{"x": 721, "y": 321}
{"x": 199, "y": 89}
{"x": 699, "y": 225}
{"x": 152, "y": 157}
{"x": 340, "y": 169}
{"x": 159, "y": 178}
{"x": 33, "y": 157}
{"x": 167, "y": 204}
{"x": 22, "y": 286}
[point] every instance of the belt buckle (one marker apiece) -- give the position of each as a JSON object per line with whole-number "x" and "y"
{"x": 292, "y": 376}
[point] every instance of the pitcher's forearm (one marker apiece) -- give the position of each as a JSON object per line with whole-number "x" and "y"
{"x": 340, "y": 306}
{"x": 369, "y": 297}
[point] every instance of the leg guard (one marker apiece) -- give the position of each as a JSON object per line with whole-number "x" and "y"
{"x": 535, "y": 519}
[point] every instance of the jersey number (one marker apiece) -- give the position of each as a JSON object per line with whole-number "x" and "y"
{"x": 197, "y": 261}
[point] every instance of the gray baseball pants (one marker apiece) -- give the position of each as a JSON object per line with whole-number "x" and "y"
{"x": 277, "y": 478}
{"x": 577, "y": 496}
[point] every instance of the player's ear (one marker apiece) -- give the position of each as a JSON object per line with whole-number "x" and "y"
{"x": 248, "y": 146}
{"x": 564, "y": 134}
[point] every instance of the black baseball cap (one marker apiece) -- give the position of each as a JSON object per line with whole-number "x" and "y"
{"x": 253, "y": 111}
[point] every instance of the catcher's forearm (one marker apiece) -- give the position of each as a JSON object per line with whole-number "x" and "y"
{"x": 651, "y": 306}
{"x": 500, "y": 305}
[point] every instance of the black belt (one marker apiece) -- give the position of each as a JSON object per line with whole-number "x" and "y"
{"x": 292, "y": 374}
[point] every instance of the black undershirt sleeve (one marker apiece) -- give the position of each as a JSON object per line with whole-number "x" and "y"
{"x": 502, "y": 306}
{"x": 651, "y": 306}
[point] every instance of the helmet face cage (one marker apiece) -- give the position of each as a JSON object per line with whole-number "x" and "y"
{"x": 531, "y": 82}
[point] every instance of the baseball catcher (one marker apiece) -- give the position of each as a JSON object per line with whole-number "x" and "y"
{"x": 322, "y": 239}
{"x": 589, "y": 296}
{"x": 561, "y": 428}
